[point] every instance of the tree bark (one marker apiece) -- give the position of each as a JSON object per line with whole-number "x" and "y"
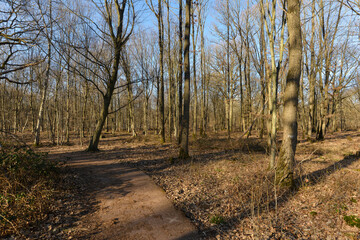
{"x": 180, "y": 76}
{"x": 202, "y": 71}
{"x": 161, "y": 48}
{"x": 286, "y": 163}
{"x": 170, "y": 73}
{"x": 46, "y": 83}
{"x": 195, "y": 122}
{"x": 312, "y": 77}
{"x": 184, "y": 149}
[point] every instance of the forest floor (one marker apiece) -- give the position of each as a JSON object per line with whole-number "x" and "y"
{"x": 225, "y": 189}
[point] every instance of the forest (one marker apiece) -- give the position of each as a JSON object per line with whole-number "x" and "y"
{"x": 207, "y": 119}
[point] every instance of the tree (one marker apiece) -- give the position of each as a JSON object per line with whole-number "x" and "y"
{"x": 180, "y": 77}
{"x": 170, "y": 73}
{"x": 201, "y": 9}
{"x": 125, "y": 64}
{"x": 184, "y": 149}
{"x": 49, "y": 34}
{"x": 159, "y": 16}
{"x": 286, "y": 163}
{"x": 119, "y": 35}
{"x": 274, "y": 73}
{"x": 312, "y": 74}
{"x": 19, "y": 33}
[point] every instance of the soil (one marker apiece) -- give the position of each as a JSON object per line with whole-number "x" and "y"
{"x": 129, "y": 204}
{"x": 224, "y": 191}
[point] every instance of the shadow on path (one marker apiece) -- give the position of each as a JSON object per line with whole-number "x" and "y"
{"x": 130, "y": 206}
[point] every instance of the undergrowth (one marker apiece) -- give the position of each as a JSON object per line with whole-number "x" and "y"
{"x": 27, "y": 181}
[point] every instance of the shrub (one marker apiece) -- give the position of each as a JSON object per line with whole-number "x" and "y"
{"x": 26, "y": 186}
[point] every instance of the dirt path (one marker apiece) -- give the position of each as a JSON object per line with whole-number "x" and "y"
{"x": 130, "y": 205}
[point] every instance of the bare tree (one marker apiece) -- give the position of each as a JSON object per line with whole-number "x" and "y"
{"x": 19, "y": 33}
{"x": 48, "y": 33}
{"x": 119, "y": 34}
{"x": 184, "y": 149}
{"x": 269, "y": 14}
{"x": 180, "y": 76}
{"x": 159, "y": 15}
{"x": 286, "y": 163}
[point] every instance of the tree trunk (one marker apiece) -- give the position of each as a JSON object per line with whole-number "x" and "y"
{"x": 170, "y": 72}
{"x": 161, "y": 47}
{"x": 228, "y": 83}
{"x": 68, "y": 101}
{"x": 184, "y": 149}
{"x": 180, "y": 76}
{"x": 119, "y": 39}
{"x": 312, "y": 76}
{"x": 126, "y": 67}
{"x": 262, "y": 77}
{"x": 202, "y": 70}
{"x": 195, "y": 122}
{"x": 94, "y": 141}
{"x": 45, "y": 86}
{"x": 286, "y": 163}
{"x": 145, "y": 126}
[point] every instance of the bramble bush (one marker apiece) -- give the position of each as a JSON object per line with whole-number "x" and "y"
{"x": 27, "y": 181}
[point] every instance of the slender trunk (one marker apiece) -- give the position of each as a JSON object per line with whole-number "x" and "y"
{"x": 16, "y": 110}
{"x": 157, "y": 104}
{"x": 83, "y": 122}
{"x": 180, "y": 75}
{"x": 67, "y": 135}
{"x": 32, "y": 108}
{"x": 3, "y": 112}
{"x": 242, "y": 119}
{"x": 325, "y": 110}
{"x": 57, "y": 110}
{"x": 184, "y": 150}
{"x": 45, "y": 85}
{"x": 194, "y": 75}
{"x": 170, "y": 73}
{"x": 303, "y": 111}
{"x": 263, "y": 61}
{"x": 248, "y": 89}
{"x": 127, "y": 70}
{"x": 202, "y": 70}
{"x": 161, "y": 47}
{"x": 312, "y": 76}
{"x": 145, "y": 127}
{"x": 228, "y": 83}
{"x": 273, "y": 80}
{"x": 130, "y": 101}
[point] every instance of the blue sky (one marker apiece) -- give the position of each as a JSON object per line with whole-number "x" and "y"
{"x": 148, "y": 20}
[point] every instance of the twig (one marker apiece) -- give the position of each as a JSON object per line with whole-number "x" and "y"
{"x": 309, "y": 157}
{"x": 3, "y": 217}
